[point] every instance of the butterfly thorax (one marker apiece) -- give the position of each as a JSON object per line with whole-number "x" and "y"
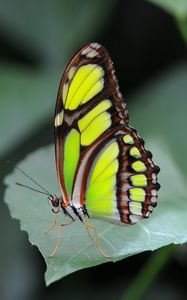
{"x": 69, "y": 210}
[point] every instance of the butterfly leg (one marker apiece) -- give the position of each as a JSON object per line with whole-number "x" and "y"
{"x": 53, "y": 224}
{"x": 89, "y": 233}
{"x": 58, "y": 239}
{"x": 92, "y": 227}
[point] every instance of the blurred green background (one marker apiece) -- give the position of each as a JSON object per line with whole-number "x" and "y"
{"x": 147, "y": 42}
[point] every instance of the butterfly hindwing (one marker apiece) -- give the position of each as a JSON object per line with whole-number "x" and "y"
{"x": 120, "y": 183}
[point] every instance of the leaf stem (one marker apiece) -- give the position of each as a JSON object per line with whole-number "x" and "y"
{"x": 148, "y": 273}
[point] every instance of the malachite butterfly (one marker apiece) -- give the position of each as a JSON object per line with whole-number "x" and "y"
{"x": 103, "y": 168}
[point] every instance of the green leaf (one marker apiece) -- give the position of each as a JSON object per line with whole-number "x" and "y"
{"x": 50, "y": 29}
{"x": 178, "y": 9}
{"x": 182, "y": 24}
{"x": 159, "y": 115}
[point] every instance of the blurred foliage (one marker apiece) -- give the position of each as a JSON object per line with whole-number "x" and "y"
{"x": 178, "y": 9}
{"x": 148, "y": 273}
{"x": 27, "y": 91}
{"x": 163, "y": 103}
{"x": 50, "y": 29}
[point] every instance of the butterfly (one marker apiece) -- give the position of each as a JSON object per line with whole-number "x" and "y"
{"x": 103, "y": 168}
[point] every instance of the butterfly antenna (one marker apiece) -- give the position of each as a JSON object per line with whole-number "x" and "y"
{"x": 35, "y": 182}
{"x": 30, "y": 188}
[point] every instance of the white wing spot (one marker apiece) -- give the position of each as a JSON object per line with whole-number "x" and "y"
{"x": 153, "y": 199}
{"x": 85, "y": 51}
{"x": 95, "y": 45}
{"x": 150, "y": 161}
{"x": 59, "y": 119}
{"x": 135, "y": 218}
{"x": 153, "y": 192}
{"x": 71, "y": 72}
{"x": 154, "y": 178}
{"x": 89, "y": 52}
{"x": 92, "y": 53}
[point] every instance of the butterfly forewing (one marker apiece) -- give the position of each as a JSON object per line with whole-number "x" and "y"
{"x": 88, "y": 104}
{"x": 101, "y": 161}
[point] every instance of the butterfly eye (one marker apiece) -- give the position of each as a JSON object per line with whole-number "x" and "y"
{"x": 54, "y": 201}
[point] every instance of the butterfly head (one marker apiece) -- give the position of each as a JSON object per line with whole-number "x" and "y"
{"x": 55, "y": 202}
